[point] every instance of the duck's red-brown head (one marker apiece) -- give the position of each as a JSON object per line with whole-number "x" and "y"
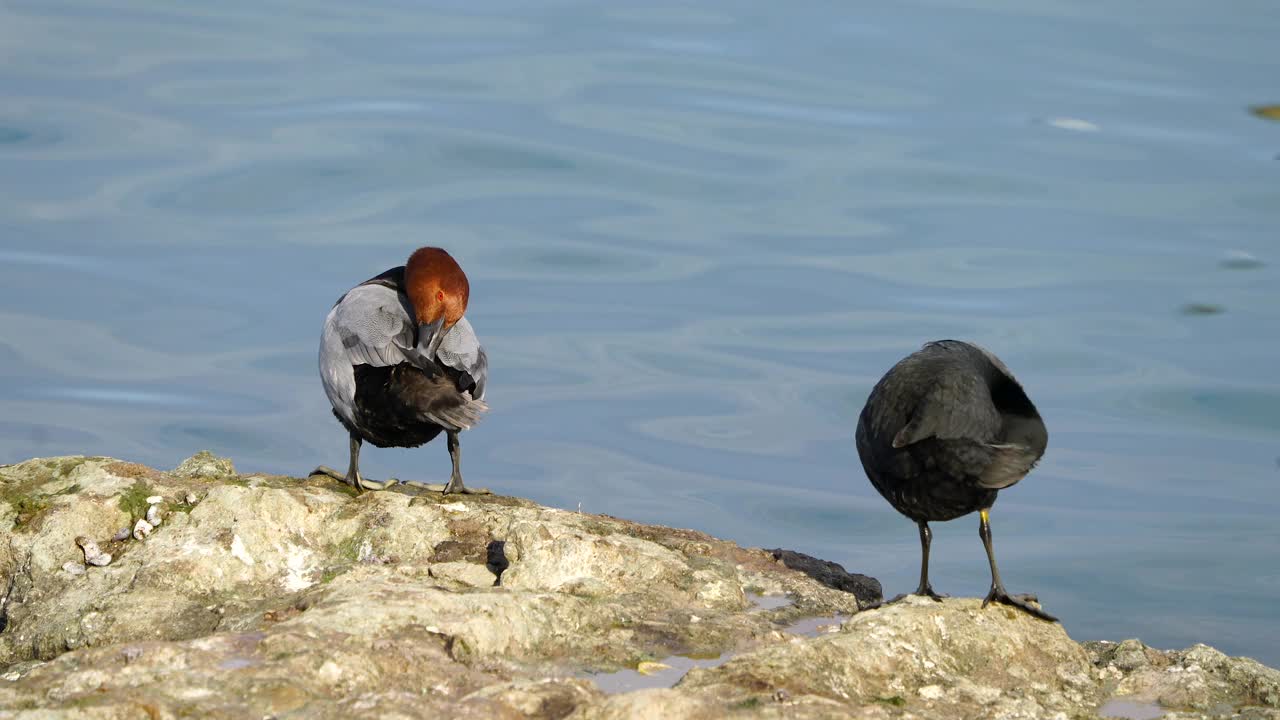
{"x": 438, "y": 290}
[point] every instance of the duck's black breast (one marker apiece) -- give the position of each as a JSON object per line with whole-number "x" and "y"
{"x": 393, "y": 405}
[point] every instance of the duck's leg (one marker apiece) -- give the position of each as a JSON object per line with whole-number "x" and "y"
{"x": 924, "y": 588}
{"x": 455, "y": 479}
{"x": 353, "y": 477}
{"x": 997, "y": 593}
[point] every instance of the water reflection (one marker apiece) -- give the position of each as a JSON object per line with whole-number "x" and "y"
{"x": 1241, "y": 260}
{"x": 1199, "y": 308}
{"x": 694, "y": 245}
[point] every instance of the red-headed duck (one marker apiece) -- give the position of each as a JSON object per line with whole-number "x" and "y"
{"x": 401, "y": 364}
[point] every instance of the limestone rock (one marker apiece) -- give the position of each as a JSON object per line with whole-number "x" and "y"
{"x": 205, "y": 464}
{"x": 280, "y": 596}
{"x": 1199, "y": 678}
{"x": 583, "y": 563}
{"x": 949, "y": 659}
{"x": 655, "y": 704}
{"x": 544, "y": 698}
{"x": 464, "y": 573}
{"x": 307, "y": 570}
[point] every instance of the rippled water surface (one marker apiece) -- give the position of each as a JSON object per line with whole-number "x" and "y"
{"x": 696, "y": 235}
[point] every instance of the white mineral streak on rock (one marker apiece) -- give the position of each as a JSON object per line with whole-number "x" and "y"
{"x": 239, "y": 552}
{"x": 296, "y": 566}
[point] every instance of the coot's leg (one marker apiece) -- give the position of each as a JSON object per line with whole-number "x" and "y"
{"x": 926, "y": 539}
{"x": 924, "y": 588}
{"x": 997, "y": 592}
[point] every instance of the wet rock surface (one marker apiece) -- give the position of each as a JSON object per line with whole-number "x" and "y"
{"x": 270, "y": 596}
{"x": 1198, "y": 681}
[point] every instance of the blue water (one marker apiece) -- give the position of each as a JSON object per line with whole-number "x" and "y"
{"x": 696, "y": 235}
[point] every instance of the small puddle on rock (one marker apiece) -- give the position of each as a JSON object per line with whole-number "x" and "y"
{"x": 764, "y": 603}
{"x": 655, "y": 677}
{"x": 1130, "y": 709}
{"x": 815, "y": 626}
{"x": 235, "y": 663}
{"x": 667, "y": 672}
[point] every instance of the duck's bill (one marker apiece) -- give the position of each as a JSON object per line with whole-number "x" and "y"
{"x": 430, "y": 335}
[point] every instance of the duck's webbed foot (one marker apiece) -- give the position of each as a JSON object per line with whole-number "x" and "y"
{"x": 997, "y": 592}
{"x": 356, "y": 481}
{"x": 454, "y": 486}
{"x": 927, "y": 591}
{"x": 352, "y": 477}
{"x": 1022, "y": 602}
{"x": 923, "y": 591}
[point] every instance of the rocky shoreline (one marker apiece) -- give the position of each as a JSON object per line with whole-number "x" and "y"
{"x": 270, "y": 596}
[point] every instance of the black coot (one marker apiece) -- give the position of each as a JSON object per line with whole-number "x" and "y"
{"x": 942, "y": 433}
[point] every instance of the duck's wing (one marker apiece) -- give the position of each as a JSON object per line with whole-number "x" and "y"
{"x": 374, "y": 323}
{"x": 374, "y": 326}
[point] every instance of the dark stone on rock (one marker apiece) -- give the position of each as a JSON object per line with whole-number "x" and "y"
{"x": 866, "y": 588}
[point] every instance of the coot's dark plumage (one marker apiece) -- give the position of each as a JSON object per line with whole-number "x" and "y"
{"x": 942, "y": 433}
{"x": 400, "y": 364}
